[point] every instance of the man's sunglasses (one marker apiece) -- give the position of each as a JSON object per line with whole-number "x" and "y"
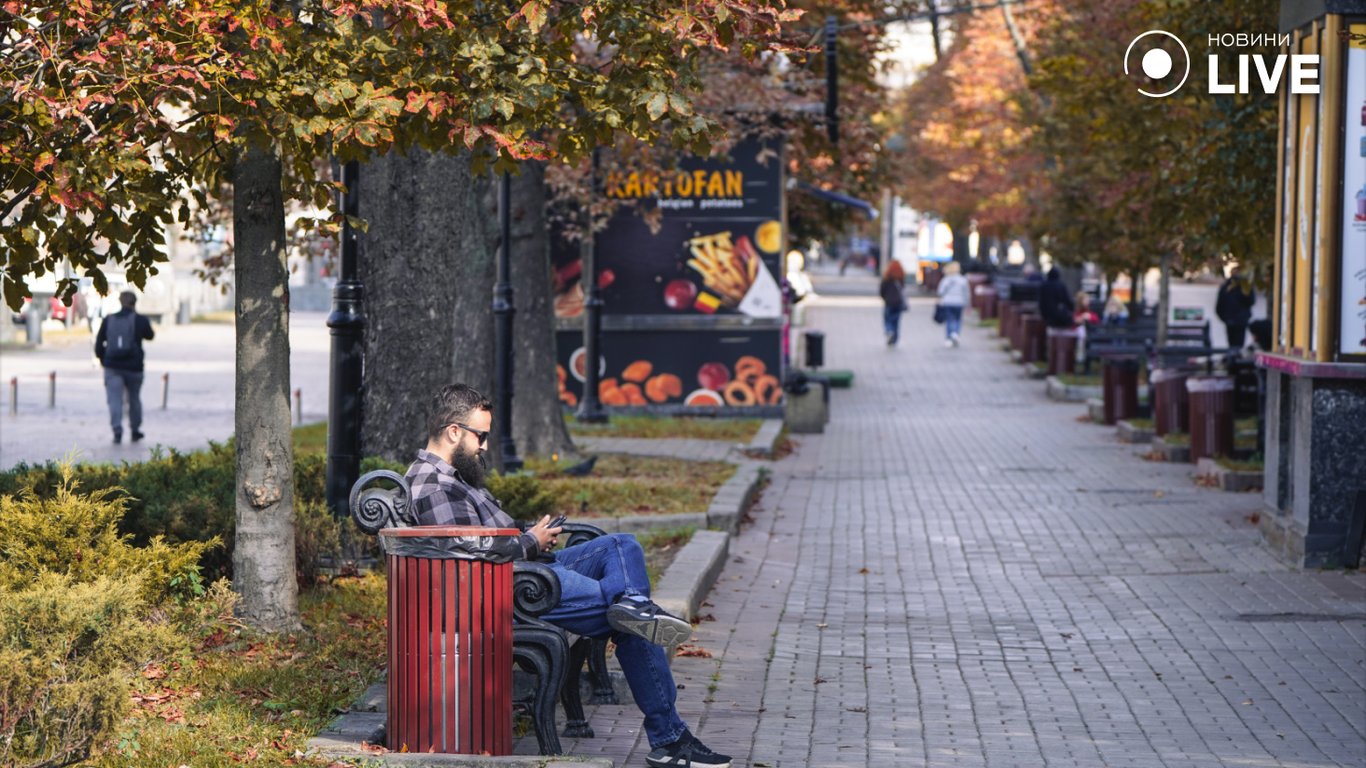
{"x": 481, "y": 434}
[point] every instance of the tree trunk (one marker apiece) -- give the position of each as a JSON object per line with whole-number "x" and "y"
{"x": 263, "y": 551}
{"x": 1164, "y": 299}
{"x": 537, "y": 419}
{"x": 428, "y": 269}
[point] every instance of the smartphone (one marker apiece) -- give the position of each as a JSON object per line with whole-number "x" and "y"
{"x": 557, "y": 522}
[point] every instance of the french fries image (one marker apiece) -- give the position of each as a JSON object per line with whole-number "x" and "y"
{"x": 728, "y": 269}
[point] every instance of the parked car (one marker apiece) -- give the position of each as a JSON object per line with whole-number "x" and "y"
{"x": 56, "y": 310}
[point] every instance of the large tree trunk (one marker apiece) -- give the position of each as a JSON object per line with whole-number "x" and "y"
{"x": 537, "y": 420}
{"x": 428, "y": 268}
{"x": 263, "y": 551}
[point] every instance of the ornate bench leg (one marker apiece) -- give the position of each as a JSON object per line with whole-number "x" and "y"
{"x": 576, "y": 725}
{"x": 603, "y": 692}
{"x": 545, "y": 664}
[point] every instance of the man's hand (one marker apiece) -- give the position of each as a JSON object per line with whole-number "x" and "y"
{"x": 545, "y": 535}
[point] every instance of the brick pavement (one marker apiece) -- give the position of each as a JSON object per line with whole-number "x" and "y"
{"x": 986, "y": 581}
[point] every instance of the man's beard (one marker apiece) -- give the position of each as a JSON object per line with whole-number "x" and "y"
{"x": 470, "y": 467}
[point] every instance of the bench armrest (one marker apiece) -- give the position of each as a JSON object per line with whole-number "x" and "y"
{"x": 535, "y": 590}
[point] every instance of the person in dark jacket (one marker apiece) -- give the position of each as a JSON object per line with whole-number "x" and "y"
{"x": 1234, "y": 307}
{"x": 118, "y": 345}
{"x": 893, "y": 301}
{"x": 1055, "y": 301}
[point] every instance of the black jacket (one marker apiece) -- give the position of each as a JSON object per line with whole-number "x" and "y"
{"x": 1055, "y": 301}
{"x": 891, "y": 294}
{"x": 133, "y": 361}
{"x": 1234, "y": 305}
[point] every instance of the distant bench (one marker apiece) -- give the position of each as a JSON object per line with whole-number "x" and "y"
{"x": 1138, "y": 338}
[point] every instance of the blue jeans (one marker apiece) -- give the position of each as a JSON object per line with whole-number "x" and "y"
{"x": 954, "y": 322}
{"x": 891, "y": 322}
{"x": 115, "y": 381}
{"x": 592, "y": 576}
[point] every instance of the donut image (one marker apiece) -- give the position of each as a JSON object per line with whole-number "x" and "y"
{"x": 749, "y": 365}
{"x": 663, "y": 387}
{"x": 578, "y": 367}
{"x": 632, "y": 394}
{"x": 767, "y": 390}
{"x": 738, "y": 394}
{"x": 638, "y": 371}
{"x": 703, "y": 397}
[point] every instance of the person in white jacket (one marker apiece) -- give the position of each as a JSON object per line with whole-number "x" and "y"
{"x": 953, "y": 296}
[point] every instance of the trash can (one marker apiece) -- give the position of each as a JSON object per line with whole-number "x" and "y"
{"x": 1171, "y": 406}
{"x": 450, "y": 638}
{"x": 1211, "y": 416}
{"x": 815, "y": 348}
{"x": 1062, "y": 350}
{"x": 989, "y": 302}
{"x": 806, "y": 403}
{"x": 1031, "y": 338}
{"x": 1119, "y": 388}
{"x": 1007, "y": 313}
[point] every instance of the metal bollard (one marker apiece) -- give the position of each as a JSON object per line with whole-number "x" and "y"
{"x": 52, "y": 390}
{"x": 298, "y": 406}
{"x": 14, "y": 396}
{"x": 165, "y": 389}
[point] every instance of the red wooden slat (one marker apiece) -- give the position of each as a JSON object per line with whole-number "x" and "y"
{"x": 448, "y": 701}
{"x": 424, "y": 656}
{"x": 410, "y": 663}
{"x": 391, "y": 721}
{"x": 463, "y": 632}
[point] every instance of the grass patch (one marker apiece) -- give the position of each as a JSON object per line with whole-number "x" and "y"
{"x": 661, "y": 547}
{"x": 1240, "y": 465}
{"x": 221, "y": 317}
{"x": 633, "y": 485}
{"x": 993, "y": 322}
{"x": 243, "y": 697}
{"x": 310, "y": 438}
{"x": 1177, "y": 438}
{"x": 1248, "y": 424}
{"x": 1140, "y": 423}
{"x": 1079, "y": 380}
{"x": 694, "y": 427}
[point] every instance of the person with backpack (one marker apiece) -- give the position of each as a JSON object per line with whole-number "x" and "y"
{"x": 118, "y": 345}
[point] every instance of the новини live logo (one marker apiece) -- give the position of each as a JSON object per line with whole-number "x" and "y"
{"x": 1158, "y": 64}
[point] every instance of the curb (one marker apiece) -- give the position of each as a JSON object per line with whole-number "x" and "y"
{"x": 1068, "y": 393}
{"x": 765, "y": 442}
{"x": 1232, "y": 480}
{"x": 1129, "y": 433}
{"x": 693, "y": 573}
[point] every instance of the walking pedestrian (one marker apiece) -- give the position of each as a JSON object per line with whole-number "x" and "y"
{"x": 1234, "y": 307}
{"x": 118, "y": 345}
{"x": 604, "y": 588}
{"x": 953, "y": 296}
{"x": 893, "y": 300}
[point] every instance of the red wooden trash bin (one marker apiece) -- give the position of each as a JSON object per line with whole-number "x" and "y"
{"x": 1119, "y": 388}
{"x": 1171, "y": 406}
{"x": 1031, "y": 338}
{"x": 990, "y": 302}
{"x": 1211, "y": 415}
{"x": 1007, "y": 311}
{"x": 1062, "y": 350}
{"x": 450, "y": 638}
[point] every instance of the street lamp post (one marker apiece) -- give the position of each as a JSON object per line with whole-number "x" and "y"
{"x": 590, "y": 408}
{"x": 502, "y": 330}
{"x": 347, "y": 362}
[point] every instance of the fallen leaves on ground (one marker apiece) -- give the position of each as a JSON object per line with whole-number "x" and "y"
{"x": 696, "y": 651}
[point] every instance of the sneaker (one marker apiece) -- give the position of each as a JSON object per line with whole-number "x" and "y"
{"x": 137, "y": 436}
{"x": 948, "y": 342}
{"x": 643, "y": 618}
{"x": 118, "y": 438}
{"x": 687, "y": 752}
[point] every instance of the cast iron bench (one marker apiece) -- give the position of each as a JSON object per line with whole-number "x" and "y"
{"x": 1138, "y": 339}
{"x": 538, "y": 647}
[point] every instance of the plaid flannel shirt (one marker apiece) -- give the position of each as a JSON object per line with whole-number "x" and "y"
{"x": 441, "y": 497}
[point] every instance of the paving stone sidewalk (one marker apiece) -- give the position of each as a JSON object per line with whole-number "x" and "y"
{"x": 960, "y": 573}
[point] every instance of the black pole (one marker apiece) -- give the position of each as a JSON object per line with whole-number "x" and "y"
{"x": 590, "y": 408}
{"x": 348, "y": 326}
{"x": 502, "y": 330}
{"x": 832, "y": 82}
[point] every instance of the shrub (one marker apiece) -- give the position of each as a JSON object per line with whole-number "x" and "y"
{"x": 521, "y": 496}
{"x": 81, "y": 610}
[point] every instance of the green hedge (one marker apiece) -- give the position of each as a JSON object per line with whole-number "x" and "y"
{"x": 81, "y": 611}
{"x": 187, "y": 497}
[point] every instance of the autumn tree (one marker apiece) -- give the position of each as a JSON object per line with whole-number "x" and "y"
{"x": 118, "y": 117}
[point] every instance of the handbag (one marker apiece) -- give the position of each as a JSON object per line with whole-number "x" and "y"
{"x": 941, "y": 315}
